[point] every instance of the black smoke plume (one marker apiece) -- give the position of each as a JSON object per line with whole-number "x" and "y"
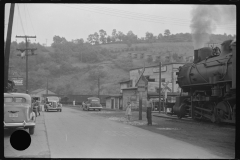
{"x": 205, "y": 20}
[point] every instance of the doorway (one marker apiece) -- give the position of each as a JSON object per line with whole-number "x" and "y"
{"x": 112, "y": 103}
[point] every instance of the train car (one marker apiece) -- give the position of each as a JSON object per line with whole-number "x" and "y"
{"x": 210, "y": 82}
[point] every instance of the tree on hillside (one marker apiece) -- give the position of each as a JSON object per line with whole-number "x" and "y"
{"x": 130, "y": 38}
{"x": 96, "y": 38}
{"x": 90, "y": 39}
{"x": 160, "y": 36}
{"x": 79, "y": 41}
{"x": 114, "y": 34}
{"x": 167, "y": 33}
{"x": 58, "y": 40}
{"x": 149, "y": 37}
{"x": 108, "y": 39}
{"x": 120, "y": 35}
{"x": 103, "y": 35}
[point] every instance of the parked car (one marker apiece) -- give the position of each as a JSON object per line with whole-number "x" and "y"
{"x": 18, "y": 112}
{"x": 92, "y": 103}
{"x": 52, "y": 103}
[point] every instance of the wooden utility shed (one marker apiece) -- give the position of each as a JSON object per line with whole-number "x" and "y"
{"x": 114, "y": 101}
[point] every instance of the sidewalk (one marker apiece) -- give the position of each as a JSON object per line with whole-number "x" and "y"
{"x": 39, "y": 143}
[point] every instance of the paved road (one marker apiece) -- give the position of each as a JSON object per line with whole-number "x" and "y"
{"x": 79, "y": 134}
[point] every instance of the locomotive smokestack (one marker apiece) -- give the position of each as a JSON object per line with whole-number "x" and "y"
{"x": 195, "y": 60}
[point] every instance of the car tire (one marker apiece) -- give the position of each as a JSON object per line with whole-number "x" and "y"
{"x": 31, "y": 130}
{"x": 88, "y": 109}
{"x": 99, "y": 109}
{"x": 94, "y": 109}
{"x": 60, "y": 110}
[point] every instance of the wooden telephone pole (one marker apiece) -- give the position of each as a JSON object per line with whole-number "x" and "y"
{"x": 7, "y": 47}
{"x": 26, "y": 54}
{"x": 160, "y": 81}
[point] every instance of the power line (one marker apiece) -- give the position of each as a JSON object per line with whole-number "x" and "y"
{"x": 25, "y": 18}
{"x": 30, "y": 20}
{"x": 21, "y": 20}
{"x": 135, "y": 16}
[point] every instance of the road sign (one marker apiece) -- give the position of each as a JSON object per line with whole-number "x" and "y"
{"x": 166, "y": 86}
{"x": 18, "y": 81}
{"x": 142, "y": 84}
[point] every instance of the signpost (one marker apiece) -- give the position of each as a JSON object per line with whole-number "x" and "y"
{"x": 142, "y": 87}
{"x": 18, "y": 81}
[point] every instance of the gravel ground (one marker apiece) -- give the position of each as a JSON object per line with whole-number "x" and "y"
{"x": 219, "y": 139}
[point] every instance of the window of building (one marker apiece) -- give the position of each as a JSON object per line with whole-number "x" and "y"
{"x": 130, "y": 83}
{"x": 149, "y": 79}
{"x": 163, "y": 79}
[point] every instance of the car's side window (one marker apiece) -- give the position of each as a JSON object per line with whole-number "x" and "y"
{"x": 8, "y": 99}
{"x": 20, "y": 100}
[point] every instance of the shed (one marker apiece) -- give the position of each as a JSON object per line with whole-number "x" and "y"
{"x": 114, "y": 101}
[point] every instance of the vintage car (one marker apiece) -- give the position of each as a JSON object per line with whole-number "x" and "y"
{"x": 52, "y": 103}
{"x": 92, "y": 103}
{"x": 18, "y": 112}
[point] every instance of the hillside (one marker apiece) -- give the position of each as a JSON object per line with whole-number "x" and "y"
{"x": 74, "y": 68}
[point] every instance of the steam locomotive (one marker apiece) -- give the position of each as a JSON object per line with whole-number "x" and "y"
{"x": 210, "y": 84}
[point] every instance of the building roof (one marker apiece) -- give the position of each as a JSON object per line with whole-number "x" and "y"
{"x": 157, "y": 65}
{"x": 116, "y": 95}
{"x": 141, "y": 76}
{"x": 37, "y": 90}
{"x": 168, "y": 93}
{"x": 125, "y": 81}
{"x": 129, "y": 88}
{"x": 41, "y": 90}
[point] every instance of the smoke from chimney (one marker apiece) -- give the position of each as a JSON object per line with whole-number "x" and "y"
{"x": 206, "y": 18}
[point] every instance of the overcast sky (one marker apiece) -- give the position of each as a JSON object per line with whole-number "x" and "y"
{"x": 75, "y": 21}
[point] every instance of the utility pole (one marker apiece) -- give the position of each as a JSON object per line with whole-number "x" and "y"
{"x": 172, "y": 79}
{"x": 26, "y": 54}
{"x": 160, "y": 81}
{"x": 98, "y": 85}
{"x": 7, "y": 47}
{"x": 47, "y": 87}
